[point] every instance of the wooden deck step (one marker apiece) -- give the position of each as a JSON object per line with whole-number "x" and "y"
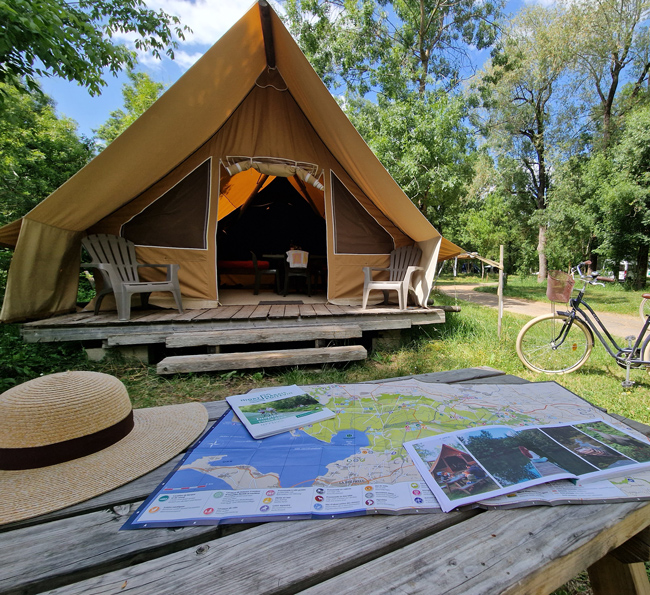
{"x": 260, "y": 359}
{"x": 264, "y": 335}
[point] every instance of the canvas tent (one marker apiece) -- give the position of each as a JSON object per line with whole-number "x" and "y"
{"x": 250, "y": 122}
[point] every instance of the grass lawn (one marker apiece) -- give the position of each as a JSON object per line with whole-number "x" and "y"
{"x": 617, "y": 298}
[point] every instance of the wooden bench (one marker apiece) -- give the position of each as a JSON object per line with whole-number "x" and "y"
{"x": 257, "y": 268}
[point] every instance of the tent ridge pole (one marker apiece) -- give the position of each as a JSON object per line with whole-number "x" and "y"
{"x": 267, "y": 32}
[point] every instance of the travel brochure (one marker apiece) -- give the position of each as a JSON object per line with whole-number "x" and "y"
{"x": 399, "y": 447}
{"x": 276, "y": 410}
{"x": 471, "y": 465}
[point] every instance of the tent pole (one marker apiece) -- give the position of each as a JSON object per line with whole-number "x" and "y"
{"x": 252, "y": 195}
{"x": 500, "y": 290}
{"x": 305, "y": 194}
{"x": 267, "y": 32}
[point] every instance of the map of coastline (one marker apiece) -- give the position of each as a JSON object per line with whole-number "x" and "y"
{"x": 355, "y": 463}
{"x": 363, "y": 443}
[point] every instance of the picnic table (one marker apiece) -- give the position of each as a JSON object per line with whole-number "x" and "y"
{"x": 527, "y": 550}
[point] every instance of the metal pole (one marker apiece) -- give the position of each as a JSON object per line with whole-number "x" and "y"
{"x": 500, "y": 291}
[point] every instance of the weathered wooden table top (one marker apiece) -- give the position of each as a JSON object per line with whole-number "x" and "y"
{"x": 527, "y": 550}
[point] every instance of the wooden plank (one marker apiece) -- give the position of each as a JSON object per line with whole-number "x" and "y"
{"x": 261, "y": 312}
{"x": 321, "y": 310}
{"x": 60, "y": 319}
{"x": 100, "y": 333}
{"x": 610, "y": 576}
{"x": 296, "y": 554}
{"x": 505, "y": 379}
{"x": 291, "y": 311}
{"x": 636, "y": 549}
{"x": 531, "y": 550}
{"x": 276, "y": 311}
{"x": 101, "y": 318}
{"x": 244, "y": 313}
{"x": 260, "y": 359}
{"x": 421, "y": 319}
{"x": 226, "y": 312}
{"x": 307, "y": 311}
{"x": 188, "y": 314}
{"x": 264, "y": 335}
{"x": 451, "y": 376}
{"x": 335, "y": 310}
{"x": 216, "y": 409}
{"x": 638, "y": 426}
{"x": 96, "y": 543}
{"x": 204, "y": 320}
{"x": 382, "y": 324}
{"x": 211, "y": 313}
{"x": 136, "y": 339}
{"x": 158, "y": 316}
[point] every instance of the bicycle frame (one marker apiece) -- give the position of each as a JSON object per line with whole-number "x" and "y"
{"x": 624, "y": 356}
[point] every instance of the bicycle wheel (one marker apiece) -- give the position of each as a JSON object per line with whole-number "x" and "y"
{"x": 644, "y": 308}
{"x": 646, "y": 355}
{"x": 543, "y": 345}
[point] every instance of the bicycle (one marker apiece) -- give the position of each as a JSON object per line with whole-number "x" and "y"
{"x": 644, "y": 307}
{"x": 561, "y": 342}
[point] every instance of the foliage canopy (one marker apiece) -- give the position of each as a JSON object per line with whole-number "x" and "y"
{"x": 76, "y": 40}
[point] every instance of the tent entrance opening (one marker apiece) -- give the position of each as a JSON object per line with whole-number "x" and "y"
{"x": 269, "y": 224}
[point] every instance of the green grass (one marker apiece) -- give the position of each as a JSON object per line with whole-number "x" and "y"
{"x": 617, "y": 298}
{"x": 467, "y": 339}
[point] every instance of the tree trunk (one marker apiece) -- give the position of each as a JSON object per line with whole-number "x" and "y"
{"x": 541, "y": 251}
{"x": 641, "y": 272}
{"x": 593, "y": 257}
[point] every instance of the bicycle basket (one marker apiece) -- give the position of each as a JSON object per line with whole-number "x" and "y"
{"x": 559, "y": 286}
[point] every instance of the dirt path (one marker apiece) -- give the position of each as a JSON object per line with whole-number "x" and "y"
{"x": 620, "y": 325}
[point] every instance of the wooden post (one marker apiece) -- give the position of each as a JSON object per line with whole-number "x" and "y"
{"x": 500, "y": 291}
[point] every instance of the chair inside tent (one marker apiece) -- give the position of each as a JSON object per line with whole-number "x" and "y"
{"x": 267, "y": 215}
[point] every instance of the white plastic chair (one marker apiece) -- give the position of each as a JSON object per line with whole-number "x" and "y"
{"x": 404, "y": 262}
{"x": 115, "y": 259}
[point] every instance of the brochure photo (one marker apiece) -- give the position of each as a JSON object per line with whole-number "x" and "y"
{"x": 276, "y": 410}
{"x": 478, "y": 463}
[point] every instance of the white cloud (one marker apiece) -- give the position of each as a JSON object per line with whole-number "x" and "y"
{"x": 208, "y": 20}
{"x": 185, "y": 60}
{"x": 545, "y": 3}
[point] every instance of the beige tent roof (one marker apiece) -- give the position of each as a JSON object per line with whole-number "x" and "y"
{"x": 181, "y": 122}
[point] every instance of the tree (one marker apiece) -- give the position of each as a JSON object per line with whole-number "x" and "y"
{"x": 400, "y": 63}
{"x": 75, "y": 41}
{"x": 625, "y": 195}
{"x": 413, "y": 46}
{"x": 574, "y": 212}
{"x": 496, "y": 211}
{"x": 425, "y": 144}
{"x": 611, "y": 40}
{"x": 38, "y": 152}
{"x": 528, "y": 103}
{"x": 138, "y": 95}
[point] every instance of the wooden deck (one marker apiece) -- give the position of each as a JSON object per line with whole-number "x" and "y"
{"x": 213, "y": 330}
{"x": 154, "y": 326}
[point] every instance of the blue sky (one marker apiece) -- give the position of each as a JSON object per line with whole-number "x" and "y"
{"x": 208, "y": 19}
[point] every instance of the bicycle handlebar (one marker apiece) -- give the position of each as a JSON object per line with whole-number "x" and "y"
{"x": 585, "y": 277}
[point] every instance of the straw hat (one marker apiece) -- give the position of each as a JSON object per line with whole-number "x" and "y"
{"x": 68, "y": 437}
